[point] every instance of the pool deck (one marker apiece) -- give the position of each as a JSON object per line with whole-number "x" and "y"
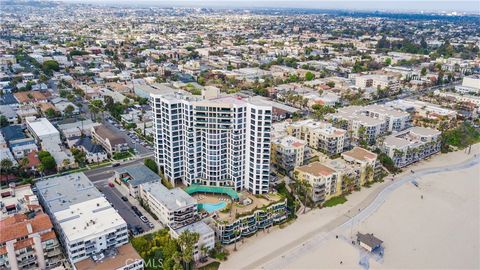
{"x": 257, "y": 202}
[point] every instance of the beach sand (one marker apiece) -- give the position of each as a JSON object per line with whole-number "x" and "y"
{"x": 440, "y": 231}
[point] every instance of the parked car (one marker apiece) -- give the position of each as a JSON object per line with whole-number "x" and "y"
{"x": 150, "y": 224}
{"x": 125, "y": 199}
{"x": 139, "y": 229}
{"x": 144, "y": 219}
{"x": 115, "y": 164}
{"x": 111, "y": 184}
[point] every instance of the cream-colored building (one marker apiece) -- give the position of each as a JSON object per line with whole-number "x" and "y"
{"x": 321, "y": 136}
{"x": 288, "y": 152}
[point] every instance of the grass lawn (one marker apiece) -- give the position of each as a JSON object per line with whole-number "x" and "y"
{"x": 211, "y": 266}
{"x": 334, "y": 201}
{"x": 121, "y": 155}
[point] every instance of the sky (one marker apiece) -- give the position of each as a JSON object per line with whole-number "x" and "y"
{"x": 470, "y": 6}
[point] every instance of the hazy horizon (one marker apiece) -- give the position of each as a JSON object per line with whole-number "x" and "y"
{"x": 469, "y": 6}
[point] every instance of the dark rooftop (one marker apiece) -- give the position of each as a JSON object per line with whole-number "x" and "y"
{"x": 13, "y": 132}
{"x": 369, "y": 240}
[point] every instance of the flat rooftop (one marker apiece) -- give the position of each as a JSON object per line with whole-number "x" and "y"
{"x": 172, "y": 199}
{"x": 139, "y": 174}
{"x": 198, "y": 227}
{"x": 361, "y": 154}
{"x": 61, "y": 192}
{"x": 316, "y": 169}
{"x": 88, "y": 218}
{"x": 42, "y": 127}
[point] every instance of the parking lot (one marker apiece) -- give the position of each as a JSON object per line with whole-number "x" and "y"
{"x": 139, "y": 146}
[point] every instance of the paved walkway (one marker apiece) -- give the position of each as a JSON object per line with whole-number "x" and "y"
{"x": 281, "y": 257}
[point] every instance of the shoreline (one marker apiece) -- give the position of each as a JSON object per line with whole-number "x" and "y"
{"x": 318, "y": 223}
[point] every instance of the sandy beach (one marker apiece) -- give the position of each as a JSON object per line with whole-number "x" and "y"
{"x": 439, "y": 231}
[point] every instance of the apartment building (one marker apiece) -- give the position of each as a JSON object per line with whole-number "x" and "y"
{"x": 205, "y": 241}
{"x": 325, "y": 181}
{"x": 321, "y": 136}
{"x": 368, "y": 122}
{"x": 423, "y": 109}
{"x": 173, "y": 207}
{"x": 49, "y": 137}
{"x": 459, "y": 98}
{"x": 110, "y": 141}
{"x": 470, "y": 84}
{"x": 18, "y": 200}
{"x": 366, "y": 161}
{"x": 131, "y": 177}
{"x": 219, "y": 141}
{"x": 412, "y": 145}
{"x": 288, "y": 152}
{"x": 376, "y": 81}
{"x": 86, "y": 222}
{"x": 27, "y": 241}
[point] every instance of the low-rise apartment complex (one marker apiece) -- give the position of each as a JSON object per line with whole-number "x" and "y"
{"x": 336, "y": 176}
{"x": 321, "y": 136}
{"x": 27, "y": 241}
{"x": 412, "y": 145}
{"x": 367, "y": 123}
{"x": 112, "y": 142}
{"x": 87, "y": 223}
{"x": 173, "y": 207}
{"x": 288, "y": 152}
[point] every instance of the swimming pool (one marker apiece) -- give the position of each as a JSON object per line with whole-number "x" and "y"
{"x": 212, "y": 207}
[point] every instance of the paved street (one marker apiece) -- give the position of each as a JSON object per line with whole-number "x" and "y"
{"x": 101, "y": 177}
{"x": 123, "y": 208}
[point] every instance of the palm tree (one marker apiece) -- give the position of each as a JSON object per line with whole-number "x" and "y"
{"x": 368, "y": 172}
{"x": 187, "y": 241}
{"x": 236, "y": 233}
{"x": 5, "y": 165}
{"x": 203, "y": 250}
{"x": 348, "y": 182}
{"x": 177, "y": 258}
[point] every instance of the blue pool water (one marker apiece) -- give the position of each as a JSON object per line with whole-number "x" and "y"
{"x": 212, "y": 207}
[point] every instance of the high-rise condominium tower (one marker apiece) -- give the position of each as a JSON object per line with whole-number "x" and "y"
{"x": 213, "y": 140}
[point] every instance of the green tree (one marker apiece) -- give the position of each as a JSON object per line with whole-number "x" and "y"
{"x": 5, "y": 165}
{"x": 47, "y": 161}
{"x": 331, "y": 84}
{"x": 151, "y": 164}
{"x": 3, "y": 121}
{"x": 388, "y": 61}
{"x": 49, "y": 66}
{"x": 69, "y": 110}
{"x": 424, "y": 71}
{"x": 309, "y": 76}
{"x": 50, "y": 113}
{"x": 187, "y": 241}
